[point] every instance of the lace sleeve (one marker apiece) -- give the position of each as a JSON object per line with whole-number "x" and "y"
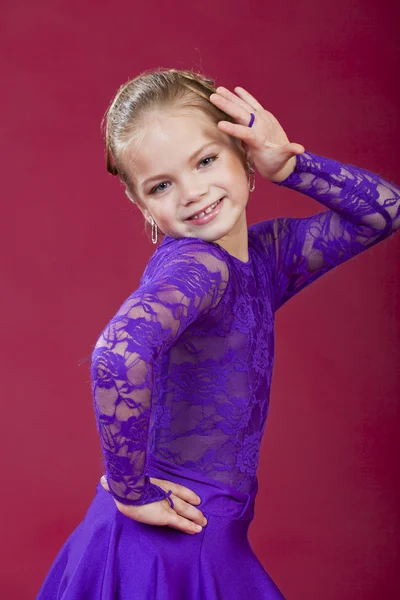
{"x": 364, "y": 209}
{"x": 189, "y": 284}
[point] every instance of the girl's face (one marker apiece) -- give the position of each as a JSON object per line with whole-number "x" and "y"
{"x": 180, "y": 165}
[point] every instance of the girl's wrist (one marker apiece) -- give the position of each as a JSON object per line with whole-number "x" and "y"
{"x": 286, "y": 171}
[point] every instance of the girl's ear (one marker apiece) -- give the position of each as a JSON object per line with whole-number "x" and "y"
{"x": 249, "y": 162}
{"x": 245, "y": 152}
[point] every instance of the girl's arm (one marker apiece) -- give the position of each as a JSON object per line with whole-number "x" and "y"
{"x": 364, "y": 209}
{"x": 192, "y": 281}
{"x": 362, "y": 197}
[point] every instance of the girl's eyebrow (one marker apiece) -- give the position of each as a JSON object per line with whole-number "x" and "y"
{"x": 163, "y": 175}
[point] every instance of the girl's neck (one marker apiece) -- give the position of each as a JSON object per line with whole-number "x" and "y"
{"x": 236, "y": 242}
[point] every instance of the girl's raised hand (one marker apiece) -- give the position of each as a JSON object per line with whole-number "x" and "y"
{"x": 266, "y": 143}
{"x": 184, "y": 516}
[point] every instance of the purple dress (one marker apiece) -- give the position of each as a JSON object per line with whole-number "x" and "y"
{"x": 181, "y": 380}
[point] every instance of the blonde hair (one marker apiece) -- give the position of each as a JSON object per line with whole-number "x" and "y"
{"x": 150, "y": 91}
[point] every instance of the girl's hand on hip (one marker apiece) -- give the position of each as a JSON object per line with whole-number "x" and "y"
{"x": 184, "y": 516}
{"x": 266, "y": 143}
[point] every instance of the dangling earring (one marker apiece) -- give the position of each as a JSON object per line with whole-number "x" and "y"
{"x": 252, "y": 185}
{"x": 154, "y": 231}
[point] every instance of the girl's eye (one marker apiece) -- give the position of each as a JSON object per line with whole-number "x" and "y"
{"x": 206, "y": 161}
{"x": 208, "y": 158}
{"x": 158, "y": 187}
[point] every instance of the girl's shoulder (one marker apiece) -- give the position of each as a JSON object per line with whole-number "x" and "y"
{"x": 262, "y": 227}
{"x": 184, "y": 252}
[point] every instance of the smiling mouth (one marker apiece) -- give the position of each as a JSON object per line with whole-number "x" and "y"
{"x": 204, "y": 212}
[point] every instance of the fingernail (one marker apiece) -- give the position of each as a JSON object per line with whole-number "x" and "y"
{"x": 198, "y": 528}
{"x": 103, "y": 480}
{"x": 198, "y": 499}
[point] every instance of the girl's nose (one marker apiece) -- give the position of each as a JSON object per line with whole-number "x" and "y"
{"x": 193, "y": 189}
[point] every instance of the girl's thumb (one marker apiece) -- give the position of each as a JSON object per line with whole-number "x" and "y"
{"x": 296, "y": 148}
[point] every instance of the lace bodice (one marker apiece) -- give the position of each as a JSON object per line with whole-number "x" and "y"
{"x": 183, "y": 370}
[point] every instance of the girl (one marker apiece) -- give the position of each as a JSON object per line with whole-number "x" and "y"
{"x": 181, "y": 374}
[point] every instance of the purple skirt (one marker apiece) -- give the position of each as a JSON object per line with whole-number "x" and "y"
{"x": 112, "y": 557}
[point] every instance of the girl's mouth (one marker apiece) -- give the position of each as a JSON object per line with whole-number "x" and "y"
{"x": 207, "y": 215}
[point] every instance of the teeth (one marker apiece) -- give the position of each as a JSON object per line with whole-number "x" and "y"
{"x": 206, "y": 212}
{"x": 210, "y": 208}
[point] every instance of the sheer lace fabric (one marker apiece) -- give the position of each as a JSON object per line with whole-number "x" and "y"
{"x": 183, "y": 370}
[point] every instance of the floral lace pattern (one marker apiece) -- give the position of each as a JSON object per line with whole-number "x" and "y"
{"x": 183, "y": 370}
{"x": 363, "y": 210}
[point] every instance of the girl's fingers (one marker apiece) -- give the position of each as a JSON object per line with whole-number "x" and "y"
{"x": 183, "y": 498}
{"x": 188, "y": 511}
{"x": 228, "y": 95}
{"x": 296, "y": 148}
{"x": 241, "y": 97}
{"x": 239, "y": 113}
{"x": 246, "y": 134}
{"x": 178, "y": 490}
{"x": 242, "y": 132}
{"x": 248, "y": 98}
{"x": 182, "y": 524}
{"x": 183, "y": 516}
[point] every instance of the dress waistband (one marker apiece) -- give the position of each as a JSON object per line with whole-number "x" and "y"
{"x": 217, "y": 498}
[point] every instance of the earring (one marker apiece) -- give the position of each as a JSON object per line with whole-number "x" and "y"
{"x": 252, "y": 177}
{"x": 154, "y": 231}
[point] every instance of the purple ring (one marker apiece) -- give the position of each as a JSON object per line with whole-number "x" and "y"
{"x": 170, "y": 499}
{"x": 251, "y": 120}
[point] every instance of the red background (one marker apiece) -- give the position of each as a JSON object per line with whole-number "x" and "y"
{"x": 73, "y": 248}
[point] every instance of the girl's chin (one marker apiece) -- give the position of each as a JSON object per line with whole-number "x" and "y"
{"x": 202, "y": 235}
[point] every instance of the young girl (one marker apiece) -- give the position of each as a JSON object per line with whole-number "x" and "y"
{"x": 181, "y": 374}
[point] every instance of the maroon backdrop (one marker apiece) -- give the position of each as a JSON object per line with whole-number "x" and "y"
{"x": 73, "y": 249}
